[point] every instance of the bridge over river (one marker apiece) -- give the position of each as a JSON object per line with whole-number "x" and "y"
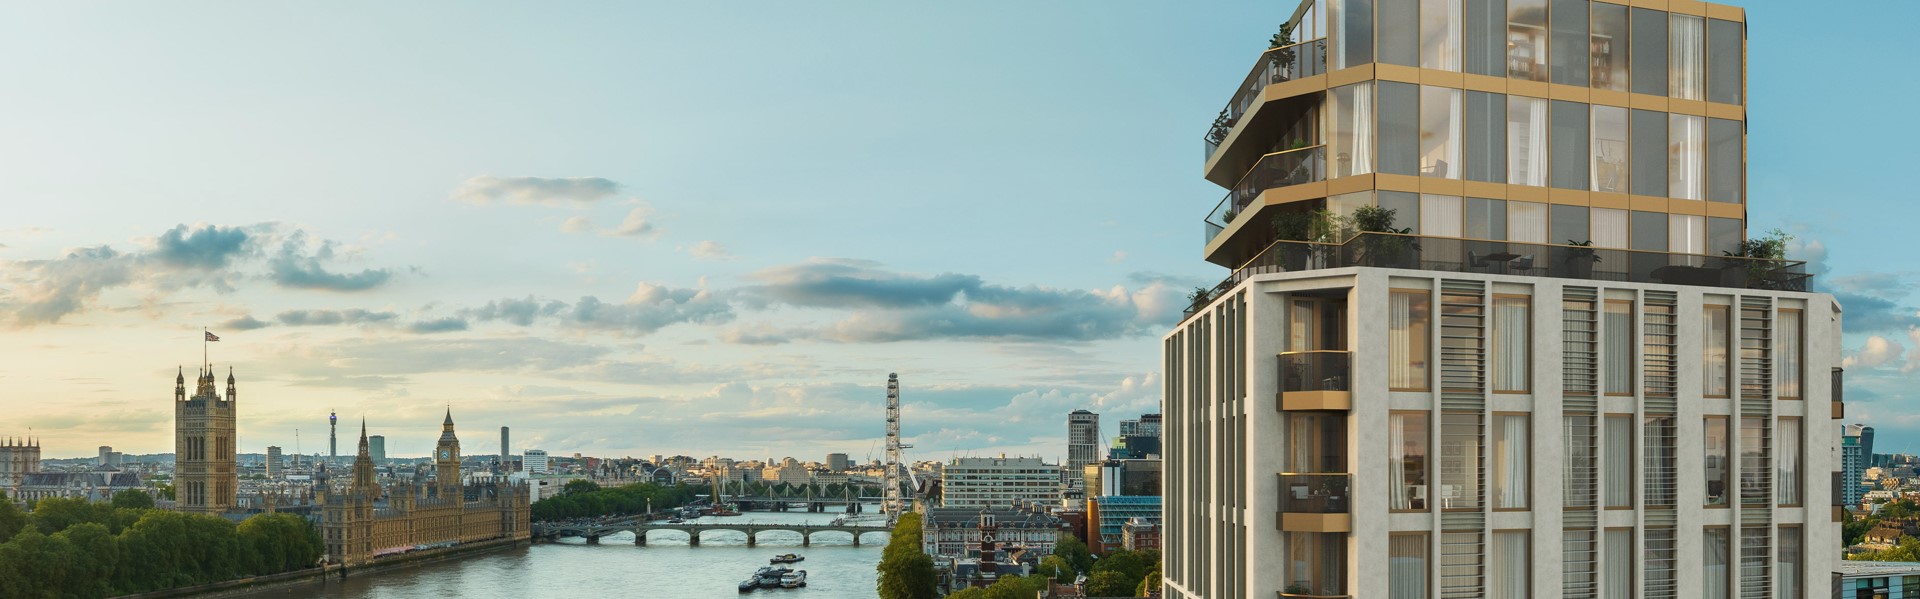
{"x": 594, "y": 531}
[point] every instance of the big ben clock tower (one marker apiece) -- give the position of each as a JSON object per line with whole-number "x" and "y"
{"x": 446, "y": 460}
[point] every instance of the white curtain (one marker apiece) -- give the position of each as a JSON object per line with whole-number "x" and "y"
{"x": 1397, "y": 462}
{"x": 1407, "y": 568}
{"x": 1789, "y": 351}
{"x": 1618, "y": 344}
{"x": 1609, "y": 228}
{"x": 1715, "y": 350}
{"x": 1527, "y": 222}
{"x": 1789, "y": 457}
{"x": 1718, "y": 547}
{"x": 1511, "y": 471}
{"x": 1511, "y": 338}
{"x": 1619, "y": 461}
{"x": 1686, "y": 234}
{"x": 1686, "y": 157}
{"x": 1526, "y": 141}
{"x": 1619, "y": 563}
{"x": 1362, "y": 119}
{"x": 1401, "y": 353}
{"x": 1440, "y": 46}
{"x": 1440, "y": 216}
{"x": 1509, "y": 555}
{"x": 1609, "y": 149}
{"x": 1686, "y": 57}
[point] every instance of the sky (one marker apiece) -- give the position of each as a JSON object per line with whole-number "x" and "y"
{"x": 714, "y": 229}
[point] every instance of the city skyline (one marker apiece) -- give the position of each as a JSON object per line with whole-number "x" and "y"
{"x": 591, "y": 254}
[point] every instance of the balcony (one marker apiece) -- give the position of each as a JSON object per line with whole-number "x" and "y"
{"x": 1279, "y": 169}
{"x": 1316, "y": 502}
{"x": 1276, "y": 65}
{"x": 1316, "y": 380}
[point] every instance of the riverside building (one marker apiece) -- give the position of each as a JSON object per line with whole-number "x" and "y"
{"x": 999, "y": 482}
{"x": 1491, "y": 328}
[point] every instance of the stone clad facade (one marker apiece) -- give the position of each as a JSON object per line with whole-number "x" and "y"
{"x": 365, "y": 522}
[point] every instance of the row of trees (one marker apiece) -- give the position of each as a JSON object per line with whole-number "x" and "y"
{"x": 584, "y": 499}
{"x": 1120, "y": 573}
{"x": 906, "y": 572}
{"x": 76, "y": 548}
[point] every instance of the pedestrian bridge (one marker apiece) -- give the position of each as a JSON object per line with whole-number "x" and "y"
{"x": 594, "y": 531}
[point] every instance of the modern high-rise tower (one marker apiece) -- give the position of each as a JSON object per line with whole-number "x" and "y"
{"x": 1083, "y": 444}
{"x": 333, "y": 438}
{"x": 206, "y": 478}
{"x": 505, "y": 463}
{"x": 276, "y": 463}
{"x": 377, "y": 445}
{"x": 1492, "y": 325}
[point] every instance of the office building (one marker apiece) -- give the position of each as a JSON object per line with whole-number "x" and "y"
{"x": 506, "y": 464}
{"x": 205, "y": 471}
{"x": 1083, "y": 441}
{"x": 1853, "y": 459}
{"x": 838, "y": 462}
{"x": 1107, "y": 515}
{"x": 1147, "y": 425}
{"x": 377, "y": 447}
{"x": 535, "y": 461}
{"x": 276, "y": 466}
{"x": 1140, "y": 534}
{"x": 1491, "y": 324}
{"x": 999, "y": 482}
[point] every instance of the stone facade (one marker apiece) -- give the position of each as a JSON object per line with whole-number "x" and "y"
{"x": 206, "y": 473}
{"x": 365, "y": 522}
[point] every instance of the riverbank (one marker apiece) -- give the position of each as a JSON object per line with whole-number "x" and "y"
{"x": 316, "y": 579}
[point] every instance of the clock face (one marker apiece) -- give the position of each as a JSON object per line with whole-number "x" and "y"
{"x": 987, "y": 538}
{"x": 443, "y": 454}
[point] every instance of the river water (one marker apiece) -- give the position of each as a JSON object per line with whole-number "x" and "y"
{"x": 665, "y": 568}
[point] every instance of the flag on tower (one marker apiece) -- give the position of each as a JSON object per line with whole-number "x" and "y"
{"x": 212, "y": 337}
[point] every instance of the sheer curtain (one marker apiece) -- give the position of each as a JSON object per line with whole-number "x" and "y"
{"x": 1362, "y": 120}
{"x": 1789, "y": 352}
{"x": 1619, "y": 461}
{"x": 1609, "y": 228}
{"x": 1397, "y": 463}
{"x": 1407, "y": 568}
{"x": 1526, "y": 141}
{"x": 1716, "y": 571}
{"x": 1686, "y": 56}
{"x": 1715, "y": 348}
{"x": 1440, "y": 215}
{"x": 1686, "y": 157}
{"x": 1789, "y": 457}
{"x": 1510, "y": 565}
{"x": 1618, "y": 345}
{"x": 1527, "y": 222}
{"x": 1455, "y": 138}
{"x": 1400, "y": 341}
{"x": 1440, "y": 35}
{"x": 1511, "y": 471}
{"x": 1511, "y": 343}
{"x": 1619, "y": 563}
{"x": 1789, "y": 562}
{"x": 1686, "y": 234}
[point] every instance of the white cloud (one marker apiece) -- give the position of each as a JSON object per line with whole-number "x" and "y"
{"x": 534, "y": 190}
{"x": 709, "y": 250}
{"x": 1877, "y": 350}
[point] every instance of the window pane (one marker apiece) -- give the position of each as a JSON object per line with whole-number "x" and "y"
{"x": 1399, "y": 128}
{"x": 1317, "y": 561}
{"x": 1649, "y": 51}
{"x": 1609, "y": 46}
{"x": 1723, "y": 235}
{"x": 1440, "y": 132}
{"x": 1649, "y": 156}
{"x": 1718, "y": 463}
{"x": 1407, "y": 460}
{"x": 1686, "y": 157}
{"x": 1406, "y": 209}
{"x": 1726, "y": 172}
{"x": 1726, "y": 60}
{"x": 1526, "y": 141}
{"x": 1510, "y": 557}
{"x": 1687, "y": 57}
{"x": 1714, "y": 360}
{"x": 1617, "y": 345}
{"x": 1570, "y": 42}
{"x": 1790, "y": 458}
{"x": 1581, "y": 437}
{"x": 1719, "y": 546}
{"x": 1460, "y": 445}
{"x": 1485, "y": 143}
{"x": 1790, "y": 584}
{"x": 1484, "y": 219}
{"x": 1650, "y": 231}
{"x": 1512, "y": 343}
{"x": 1484, "y": 34}
{"x": 1570, "y": 225}
{"x": 1569, "y": 139}
{"x": 1790, "y": 354}
{"x": 1407, "y": 340}
{"x": 1756, "y": 474}
{"x": 1609, "y": 228}
{"x": 1440, "y": 215}
{"x": 1610, "y": 149}
{"x": 1440, "y": 34}
{"x": 1316, "y": 442}
{"x": 1527, "y": 39}
{"x": 1407, "y": 566}
{"x": 1527, "y": 222}
{"x": 1399, "y": 32}
{"x": 1511, "y": 465}
{"x": 1619, "y": 563}
{"x": 1660, "y": 482}
{"x": 1353, "y": 40}
{"x": 1350, "y": 129}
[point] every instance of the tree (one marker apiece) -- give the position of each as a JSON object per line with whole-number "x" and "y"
{"x": 968, "y": 594}
{"x": 1074, "y": 551}
{"x": 12, "y": 520}
{"x": 906, "y": 572}
{"x": 132, "y": 499}
{"x": 1017, "y": 587}
{"x": 1109, "y": 583}
{"x": 1149, "y": 584}
{"x": 1057, "y": 567}
{"x": 580, "y": 486}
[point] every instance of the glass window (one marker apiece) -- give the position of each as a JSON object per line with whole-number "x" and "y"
{"x": 1619, "y": 563}
{"x": 1345, "y": 204}
{"x": 1719, "y": 546}
{"x": 1527, "y": 39}
{"x": 1723, "y": 235}
{"x": 1686, "y": 157}
{"x": 1440, "y": 216}
{"x": 1484, "y": 34}
{"x": 1317, "y": 442}
{"x": 1755, "y": 472}
{"x": 1512, "y": 343}
{"x": 1649, "y": 155}
{"x": 1570, "y": 225}
{"x": 1726, "y": 60}
{"x": 1350, "y": 128}
{"x": 1407, "y": 340}
{"x": 1609, "y": 228}
{"x": 1460, "y": 445}
{"x": 1440, "y": 34}
{"x": 1399, "y": 128}
{"x": 1718, "y": 462}
{"x": 1617, "y": 470}
{"x": 1511, "y": 560}
{"x": 1687, "y": 57}
{"x": 1484, "y": 219}
{"x": 1686, "y": 234}
{"x": 1790, "y": 459}
{"x": 1511, "y": 465}
{"x": 1317, "y": 561}
{"x": 1485, "y": 137}
{"x": 1407, "y": 460}
{"x": 1440, "y": 132}
{"x": 1650, "y": 231}
{"x": 1352, "y": 46}
{"x": 1610, "y": 149}
{"x": 1617, "y": 344}
{"x": 1649, "y": 51}
{"x": 1580, "y": 438}
{"x": 1571, "y": 42}
{"x": 1789, "y": 564}
{"x": 1406, "y": 209}
{"x": 1527, "y": 222}
{"x": 1714, "y": 360}
{"x": 1407, "y": 566}
{"x": 1569, "y": 140}
{"x": 1658, "y": 476}
{"x": 1526, "y": 141}
{"x": 1398, "y": 31}
{"x": 1609, "y": 46}
{"x": 1726, "y": 156}
{"x": 1791, "y": 354}
{"x": 1661, "y": 554}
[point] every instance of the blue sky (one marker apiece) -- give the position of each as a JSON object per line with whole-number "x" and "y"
{"x": 714, "y": 229}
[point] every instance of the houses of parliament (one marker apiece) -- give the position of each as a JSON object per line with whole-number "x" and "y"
{"x": 361, "y": 521}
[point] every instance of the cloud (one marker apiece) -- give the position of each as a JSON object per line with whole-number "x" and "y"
{"x": 578, "y": 224}
{"x": 709, "y": 250}
{"x": 650, "y": 308}
{"x": 760, "y": 334}
{"x": 44, "y": 291}
{"x": 303, "y": 318}
{"x": 209, "y": 247}
{"x": 517, "y": 311}
{"x": 292, "y": 268}
{"x": 439, "y": 325}
{"x": 535, "y": 190}
{"x": 1117, "y": 257}
{"x": 1877, "y": 350}
{"x": 638, "y": 223}
{"x": 244, "y": 323}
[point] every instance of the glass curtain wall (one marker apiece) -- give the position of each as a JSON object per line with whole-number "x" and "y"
{"x": 1484, "y": 138}
{"x": 1687, "y": 57}
{"x": 1352, "y": 45}
{"x": 1440, "y": 133}
{"x": 1649, "y": 52}
{"x": 1726, "y": 61}
{"x": 1609, "y": 228}
{"x": 1571, "y": 43}
{"x": 1686, "y": 157}
{"x": 1440, "y": 34}
{"x": 1399, "y": 128}
{"x": 1527, "y": 39}
{"x": 1726, "y": 160}
{"x": 1647, "y": 159}
{"x": 1350, "y": 129}
{"x": 1526, "y": 141}
{"x": 1440, "y": 216}
{"x": 1399, "y": 41}
{"x": 1527, "y": 222}
{"x": 1610, "y": 149}
{"x": 1609, "y": 46}
{"x": 1484, "y": 219}
{"x": 1483, "y": 33}
{"x": 1686, "y": 234}
{"x": 1569, "y": 142}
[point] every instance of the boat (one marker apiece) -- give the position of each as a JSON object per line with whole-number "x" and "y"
{"x": 748, "y": 585}
{"x": 769, "y": 578}
{"x": 794, "y": 579}
{"x": 785, "y": 558}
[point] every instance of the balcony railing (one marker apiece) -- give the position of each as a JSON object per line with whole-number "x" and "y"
{"x": 1316, "y": 493}
{"x": 1279, "y": 169}
{"x": 1276, "y": 65}
{"x": 1318, "y": 370}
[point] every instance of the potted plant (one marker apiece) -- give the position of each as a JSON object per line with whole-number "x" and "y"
{"x": 1580, "y": 259}
{"x": 1315, "y": 226}
{"x": 1198, "y": 296}
{"x": 1217, "y": 134}
{"x": 1298, "y": 589}
{"x": 1758, "y": 257}
{"x": 1381, "y": 244}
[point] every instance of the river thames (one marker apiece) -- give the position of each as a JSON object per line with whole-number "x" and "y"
{"x": 666, "y": 567}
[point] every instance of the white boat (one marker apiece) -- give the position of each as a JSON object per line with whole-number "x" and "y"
{"x": 794, "y": 579}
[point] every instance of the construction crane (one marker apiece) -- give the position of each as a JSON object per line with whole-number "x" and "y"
{"x": 894, "y": 503}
